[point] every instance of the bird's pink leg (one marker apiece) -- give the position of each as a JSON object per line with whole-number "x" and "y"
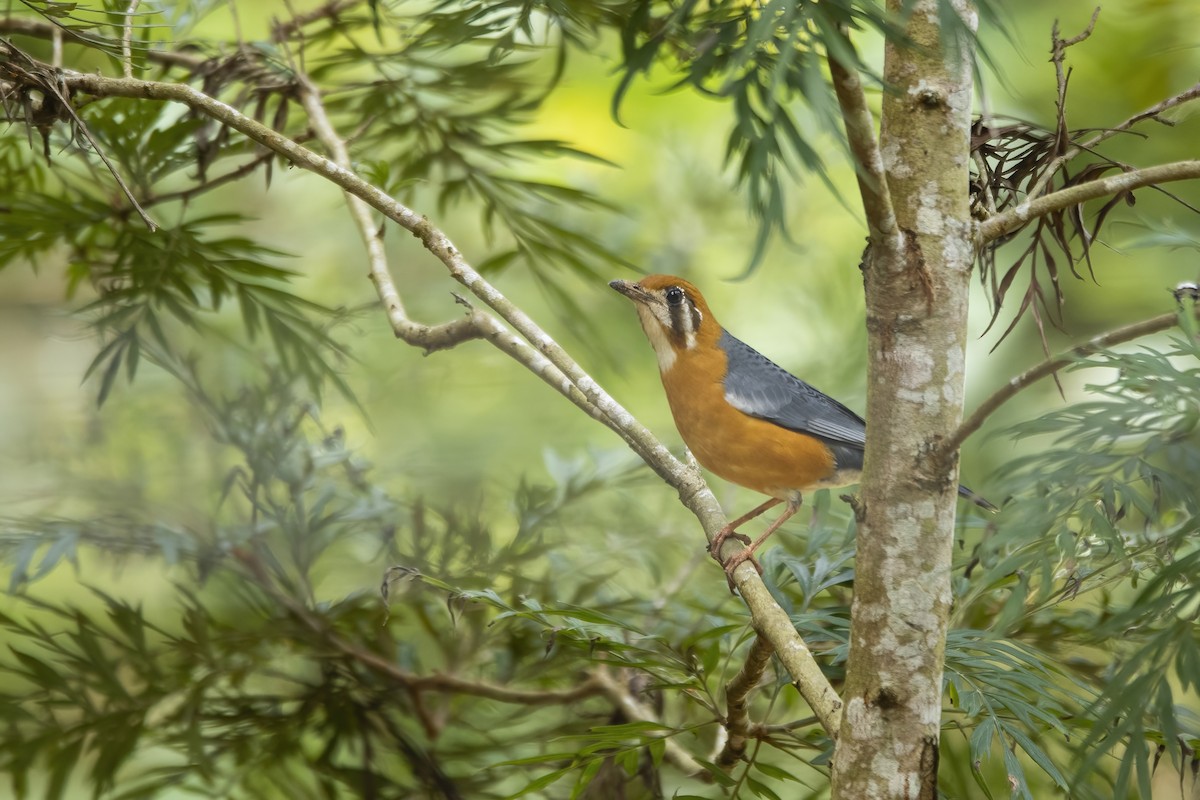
{"x": 730, "y": 530}
{"x": 748, "y": 553}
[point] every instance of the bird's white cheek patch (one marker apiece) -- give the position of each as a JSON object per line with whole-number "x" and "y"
{"x": 658, "y": 339}
{"x": 666, "y": 357}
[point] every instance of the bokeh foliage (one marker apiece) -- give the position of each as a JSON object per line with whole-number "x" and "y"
{"x": 243, "y": 647}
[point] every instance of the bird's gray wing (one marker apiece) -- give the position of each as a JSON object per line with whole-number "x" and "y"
{"x": 757, "y": 386}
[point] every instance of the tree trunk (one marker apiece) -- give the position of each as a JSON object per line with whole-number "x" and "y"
{"x": 916, "y": 297}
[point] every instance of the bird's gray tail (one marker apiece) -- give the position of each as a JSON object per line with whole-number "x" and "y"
{"x": 978, "y": 500}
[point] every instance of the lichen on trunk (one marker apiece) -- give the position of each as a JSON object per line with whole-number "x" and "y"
{"x": 916, "y": 298}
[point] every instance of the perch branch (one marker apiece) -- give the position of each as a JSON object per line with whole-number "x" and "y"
{"x": 771, "y": 620}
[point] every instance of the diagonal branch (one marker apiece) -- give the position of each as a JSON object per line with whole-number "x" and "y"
{"x": 1051, "y": 365}
{"x": 1005, "y": 223}
{"x": 1155, "y": 112}
{"x": 771, "y": 620}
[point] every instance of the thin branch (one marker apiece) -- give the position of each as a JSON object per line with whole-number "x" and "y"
{"x": 329, "y": 11}
{"x": 1061, "y": 45}
{"x": 1005, "y": 223}
{"x": 864, "y": 145}
{"x": 127, "y": 38}
{"x": 771, "y": 620}
{"x": 1154, "y": 112}
{"x": 1058, "y": 53}
{"x": 184, "y": 195}
{"x": 450, "y": 684}
{"x": 737, "y": 692}
{"x": 1051, "y": 365}
{"x": 371, "y": 234}
{"x": 635, "y": 711}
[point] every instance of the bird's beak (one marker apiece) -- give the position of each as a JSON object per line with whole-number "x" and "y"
{"x": 633, "y": 291}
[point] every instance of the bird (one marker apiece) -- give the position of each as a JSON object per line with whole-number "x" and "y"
{"x": 745, "y": 418}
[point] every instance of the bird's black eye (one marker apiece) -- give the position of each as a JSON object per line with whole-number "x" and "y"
{"x": 675, "y": 296}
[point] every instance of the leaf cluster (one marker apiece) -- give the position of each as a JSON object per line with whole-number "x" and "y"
{"x": 763, "y": 59}
{"x": 1012, "y": 161}
{"x": 431, "y": 105}
{"x": 271, "y": 631}
{"x": 1094, "y": 563}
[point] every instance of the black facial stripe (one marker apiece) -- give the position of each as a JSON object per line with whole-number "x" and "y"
{"x": 681, "y": 318}
{"x": 685, "y": 317}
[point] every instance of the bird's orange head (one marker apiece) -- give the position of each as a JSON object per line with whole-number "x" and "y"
{"x": 673, "y": 314}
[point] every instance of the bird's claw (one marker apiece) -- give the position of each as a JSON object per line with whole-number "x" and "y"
{"x": 735, "y": 561}
{"x": 714, "y": 547}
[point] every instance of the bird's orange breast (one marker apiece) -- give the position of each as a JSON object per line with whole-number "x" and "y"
{"x": 745, "y": 450}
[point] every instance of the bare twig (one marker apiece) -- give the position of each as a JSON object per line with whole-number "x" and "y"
{"x": 1013, "y": 219}
{"x": 1155, "y": 112}
{"x": 184, "y": 195}
{"x": 1049, "y": 366}
{"x": 127, "y": 38}
{"x": 737, "y": 692}
{"x": 1058, "y": 55}
{"x": 771, "y": 620}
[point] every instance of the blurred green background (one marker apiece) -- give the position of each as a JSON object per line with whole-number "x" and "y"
{"x": 467, "y": 428}
{"x": 457, "y": 421}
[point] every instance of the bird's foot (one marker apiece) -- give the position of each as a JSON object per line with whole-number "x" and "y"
{"x": 714, "y": 547}
{"x": 735, "y": 561}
